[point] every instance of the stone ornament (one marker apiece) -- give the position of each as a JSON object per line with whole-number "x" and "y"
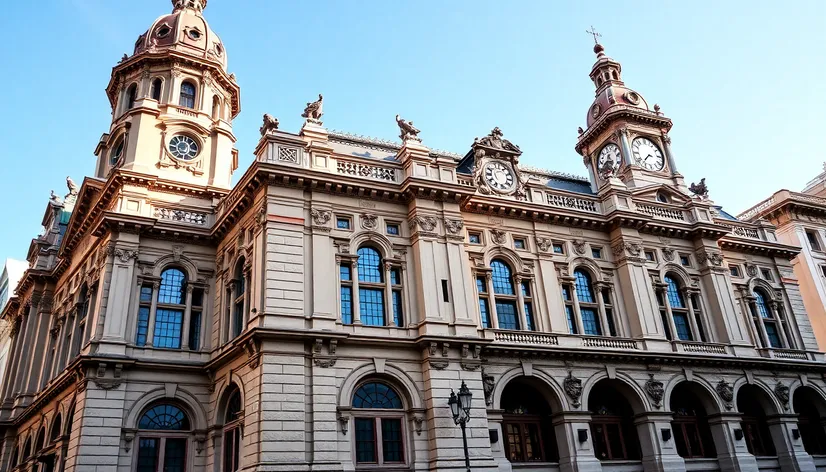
{"x": 454, "y": 226}
{"x": 488, "y": 384}
{"x": 369, "y": 221}
{"x": 544, "y": 244}
{"x": 579, "y": 246}
{"x": 699, "y": 189}
{"x": 668, "y": 254}
{"x": 655, "y": 390}
{"x": 498, "y": 236}
{"x": 782, "y": 393}
{"x": 726, "y": 392}
{"x": 710, "y": 258}
{"x": 426, "y": 224}
{"x": 623, "y": 250}
{"x": 314, "y": 111}
{"x": 408, "y": 131}
{"x": 751, "y": 270}
{"x": 573, "y": 388}
{"x": 270, "y": 124}
{"x": 496, "y": 167}
{"x": 321, "y": 218}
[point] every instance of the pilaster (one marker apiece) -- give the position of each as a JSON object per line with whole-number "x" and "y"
{"x": 659, "y": 450}
{"x": 732, "y": 453}
{"x": 575, "y": 442}
{"x": 790, "y": 451}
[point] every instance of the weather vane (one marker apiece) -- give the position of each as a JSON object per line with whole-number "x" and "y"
{"x": 593, "y": 32}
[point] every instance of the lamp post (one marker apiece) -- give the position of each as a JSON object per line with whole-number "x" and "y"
{"x": 460, "y": 408}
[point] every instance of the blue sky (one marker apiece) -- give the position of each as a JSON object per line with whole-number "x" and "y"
{"x": 742, "y": 80}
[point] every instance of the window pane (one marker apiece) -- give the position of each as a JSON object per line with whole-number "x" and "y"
{"x": 569, "y": 313}
{"x": 172, "y": 287}
{"x": 187, "y": 95}
{"x": 502, "y": 284}
{"x": 143, "y": 326}
{"x": 391, "y": 440}
{"x": 397, "y": 308}
{"x": 615, "y": 441}
{"x": 675, "y": 298}
{"x": 481, "y": 286}
{"x": 238, "y": 319}
{"x": 600, "y": 446}
{"x": 533, "y": 447}
{"x": 168, "y": 328}
{"x": 347, "y": 305}
{"x": 174, "y": 456}
{"x": 612, "y": 329}
{"x": 583, "y": 287}
{"x": 514, "y": 440}
{"x": 762, "y": 308}
{"x": 681, "y": 324}
{"x": 771, "y": 332}
{"x": 376, "y": 395}
{"x": 371, "y": 306}
{"x": 231, "y": 449}
{"x": 147, "y": 455}
{"x": 506, "y": 314}
{"x": 566, "y": 294}
{"x": 666, "y": 327}
{"x": 198, "y": 297}
{"x": 164, "y": 417}
{"x": 146, "y": 293}
{"x": 526, "y": 289}
{"x": 529, "y": 317}
{"x": 195, "y": 331}
{"x": 344, "y": 272}
{"x": 590, "y": 322}
{"x": 395, "y": 277}
{"x": 369, "y": 265}
{"x": 365, "y": 440}
{"x": 483, "y": 310}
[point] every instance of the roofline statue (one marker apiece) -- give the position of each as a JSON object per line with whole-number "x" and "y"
{"x": 314, "y": 110}
{"x": 73, "y": 188}
{"x": 700, "y": 189}
{"x": 270, "y": 124}
{"x": 408, "y": 131}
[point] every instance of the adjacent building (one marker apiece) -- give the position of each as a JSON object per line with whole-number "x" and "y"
{"x": 12, "y": 271}
{"x": 317, "y": 315}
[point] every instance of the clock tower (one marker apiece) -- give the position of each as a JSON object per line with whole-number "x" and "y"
{"x": 625, "y": 139}
{"x": 173, "y": 103}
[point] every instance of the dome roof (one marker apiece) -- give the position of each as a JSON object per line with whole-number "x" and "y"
{"x": 614, "y": 95}
{"x": 185, "y": 31}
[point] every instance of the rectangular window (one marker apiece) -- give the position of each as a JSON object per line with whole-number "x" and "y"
{"x": 734, "y": 270}
{"x": 569, "y": 309}
{"x": 698, "y": 316}
{"x": 814, "y": 241}
{"x": 391, "y": 440}
{"x": 174, "y": 455}
{"x": 366, "y": 441}
{"x": 343, "y": 223}
{"x": 484, "y": 311}
{"x": 526, "y": 296}
{"x": 371, "y": 306}
{"x": 558, "y": 248}
{"x": 609, "y": 311}
{"x": 529, "y": 316}
{"x": 682, "y": 326}
{"x": 398, "y": 319}
{"x": 519, "y": 243}
{"x": 143, "y": 326}
{"x": 393, "y": 229}
{"x": 590, "y": 322}
{"x": 195, "y": 319}
{"x": 347, "y": 305}
{"x": 506, "y": 314}
{"x": 148, "y": 454}
{"x": 685, "y": 260}
{"x": 445, "y": 291}
{"x": 771, "y": 332}
{"x": 596, "y": 253}
{"x": 168, "y": 328}
{"x": 767, "y": 274}
{"x": 823, "y": 270}
{"x": 650, "y": 257}
{"x": 474, "y": 238}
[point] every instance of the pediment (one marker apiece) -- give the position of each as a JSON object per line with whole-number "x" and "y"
{"x": 652, "y": 192}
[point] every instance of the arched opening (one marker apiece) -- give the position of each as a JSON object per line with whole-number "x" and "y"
{"x": 662, "y": 197}
{"x": 752, "y": 402}
{"x": 163, "y": 437}
{"x": 239, "y": 296}
{"x": 117, "y": 152}
{"x": 27, "y": 448}
{"x": 157, "y": 86}
{"x": 612, "y": 422}
{"x": 57, "y": 424}
{"x": 40, "y": 442}
{"x": 526, "y": 422}
{"x": 216, "y": 107}
{"x": 187, "y": 98}
{"x": 169, "y": 315}
{"x": 764, "y": 315}
{"x": 679, "y": 311}
{"x": 692, "y": 434}
{"x": 371, "y": 286}
{"x": 379, "y": 418}
{"x": 503, "y": 290}
{"x": 233, "y": 429}
{"x": 15, "y": 455}
{"x": 131, "y": 96}
{"x": 809, "y": 406}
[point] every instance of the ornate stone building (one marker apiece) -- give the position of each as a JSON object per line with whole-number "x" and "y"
{"x": 317, "y": 315}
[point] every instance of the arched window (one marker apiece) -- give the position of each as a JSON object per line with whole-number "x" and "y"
{"x": 40, "y": 443}
{"x": 526, "y": 424}
{"x": 169, "y": 315}
{"x": 239, "y": 299}
{"x": 378, "y": 416}
{"x": 15, "y": 455}
{"x": 187, "y": 95}
{"x": 57, "y": 424}
{"x": 216, "y": 107}
{"x": 763, "y": 314}
{"x": 379, "y": 285}
{"x": 750, "y": 401}
{"x": 501, "y": 305}
{"x": 79, "y": 337}
{"x": 692, "y": 434}
{"x": 808, "y": 404}
{"x": 588, "y": 307}
{"x": 612, "y": 424}
{"x": 27, "y": 448}
{"x": 233, "y": 429}
{"x": 686, "y": 318}
{"x": 116, "y": 153}
{"x": 131, "y": 96}
{"x": 163, "y": 438}
{"x": 157, "y": 86}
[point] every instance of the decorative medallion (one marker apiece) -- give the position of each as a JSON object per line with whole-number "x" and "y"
{"x": 426, "y": 224}
{"x": 782, "y": 393}
{"x": 498, "y": 236}
{"x": 726, "y": 391}
{"x": 579, "y": 246}
{"x": 751, "y": 270}
{"x": 321, "y": 217}
{"x": 668, "y": 254}
{"x": 595, "y": 111}
{"x": 454, "y": 226}
{"x": 573, "y": 388}
{"x": 655, "y": 390}
{"x": 369, "y": 221}
{"x": 632, "y": 97}
{"x": 544, "y": 244}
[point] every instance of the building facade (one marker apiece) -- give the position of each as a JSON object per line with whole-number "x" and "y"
{"x": 12, "y": 272}
{"x": 800, "y": 218}
{"x": 317, "y": 315}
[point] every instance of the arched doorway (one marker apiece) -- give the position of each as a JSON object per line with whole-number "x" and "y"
{"x": 810, "y": 409}
{"x": 612, "y": 422}
{"x": 526, "y": 422}
{"x": 753, "y": 403}
{"x": 692, "y": 434}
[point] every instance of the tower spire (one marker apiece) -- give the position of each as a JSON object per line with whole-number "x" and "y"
{"x": 197, "y": 5}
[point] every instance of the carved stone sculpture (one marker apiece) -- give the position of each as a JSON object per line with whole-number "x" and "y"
{"x": 488, "y": 383}
{"x": 700, "y": 189}
{"x": 494, "y": 140}
{"x": 408, "y": 131}
{"x": 369, "y": 221}
{"x": 544, "y": 244}
{"x": 270, "y": 124}
{"x": 498, "y": 236}
{"x": 453, "y": 226}
{"x": 73, "y": 188}
{"x": 314, "y": 110}
{"x": 573, "y": 388}
{"x": 655, "y": 390}
{"x": 579, "y": 246}
{"x": 782, "y": 393}
{"x": 726, "y": 391}
{"x": 425, "y": 223}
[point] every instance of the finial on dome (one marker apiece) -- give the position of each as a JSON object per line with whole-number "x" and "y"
{"x": 197, "y": 5}
{"x": 598, "y": 49}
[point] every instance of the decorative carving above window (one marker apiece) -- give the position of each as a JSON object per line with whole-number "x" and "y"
{"x": 182, "y": 216}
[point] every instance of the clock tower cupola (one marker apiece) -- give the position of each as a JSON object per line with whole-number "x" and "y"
{"x": 173, "y": 102}
{"x": 625, "y": 138}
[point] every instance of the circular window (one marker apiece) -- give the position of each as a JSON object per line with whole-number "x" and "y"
{"x": 163, "y": 31}
{"x": 219, "y": 50}
{"x": 194, "y": 34}
{"x": 183, "y": 147}
{"x": 116, "y": 153}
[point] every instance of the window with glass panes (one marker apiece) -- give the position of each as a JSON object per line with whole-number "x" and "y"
{"x": 763, "y": 314}
{"x": 239, "y": 292}
{"x": 379, "y": 286}
{"x": 588, "y": 307}
{"x": 145, "y": 305}
{"x": 371, "y": 287}
{"x": 612, "y": 425}
{"x": 396, "y": 295}
{"x": 569, "y": 309}
{"x": 345, "y": 274}
{"x": 169, "y": 315}
{"x": 527, "y": 297}
{"x": 157, "y": 84}
{"x": 233, "y": 424}
{"x": 163, "y": 438}
{"x": 196, "y": 319}
{"x": 379, "y": 420}
{"x": 679, "y": 311}
{"x": 187, "y": 98}
{"x": 506, "y": 311}
{"x": 484, "y": 301}
{"x": 692, "y": 434}
{"x": 526, "y": 424}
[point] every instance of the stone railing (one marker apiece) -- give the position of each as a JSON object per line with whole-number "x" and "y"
{"x": 526, "y": 337}
{"x": 743, "y": 232}
{"x": 186, "y": 111}
{"x": 368, "y": 171}
{"x": 564, "y": 201}
{"x": 465, "y": 181}
{"x": 704, "y": 348}
{"x": 661, "y": 212}
{"x": 282, "y": 155}
{"x": 787, "y": 354}
{"x": 748, "y": 214}
{"x": 196, "y": 218}
{"x": 611, "y": 343}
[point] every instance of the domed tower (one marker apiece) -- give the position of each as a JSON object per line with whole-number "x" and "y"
{"x": 625, "y": 138}
{"x": 173, "y": 103}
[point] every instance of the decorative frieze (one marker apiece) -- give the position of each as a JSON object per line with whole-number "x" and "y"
{"x": 366, "y": 171}
{"x": 181, "y": 216}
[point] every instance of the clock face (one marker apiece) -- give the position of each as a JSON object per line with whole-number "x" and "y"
{"x": 609, "y": 158}
{"x": 183, "y": 147}
{"x": 647, "y": 154}
{"x": 500, "y": 177}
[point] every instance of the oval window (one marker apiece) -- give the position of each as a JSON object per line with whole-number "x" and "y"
{"x": 183, "y": 147}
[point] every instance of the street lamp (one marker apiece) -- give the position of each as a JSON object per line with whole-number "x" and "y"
{"x": 460, "y": 408}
